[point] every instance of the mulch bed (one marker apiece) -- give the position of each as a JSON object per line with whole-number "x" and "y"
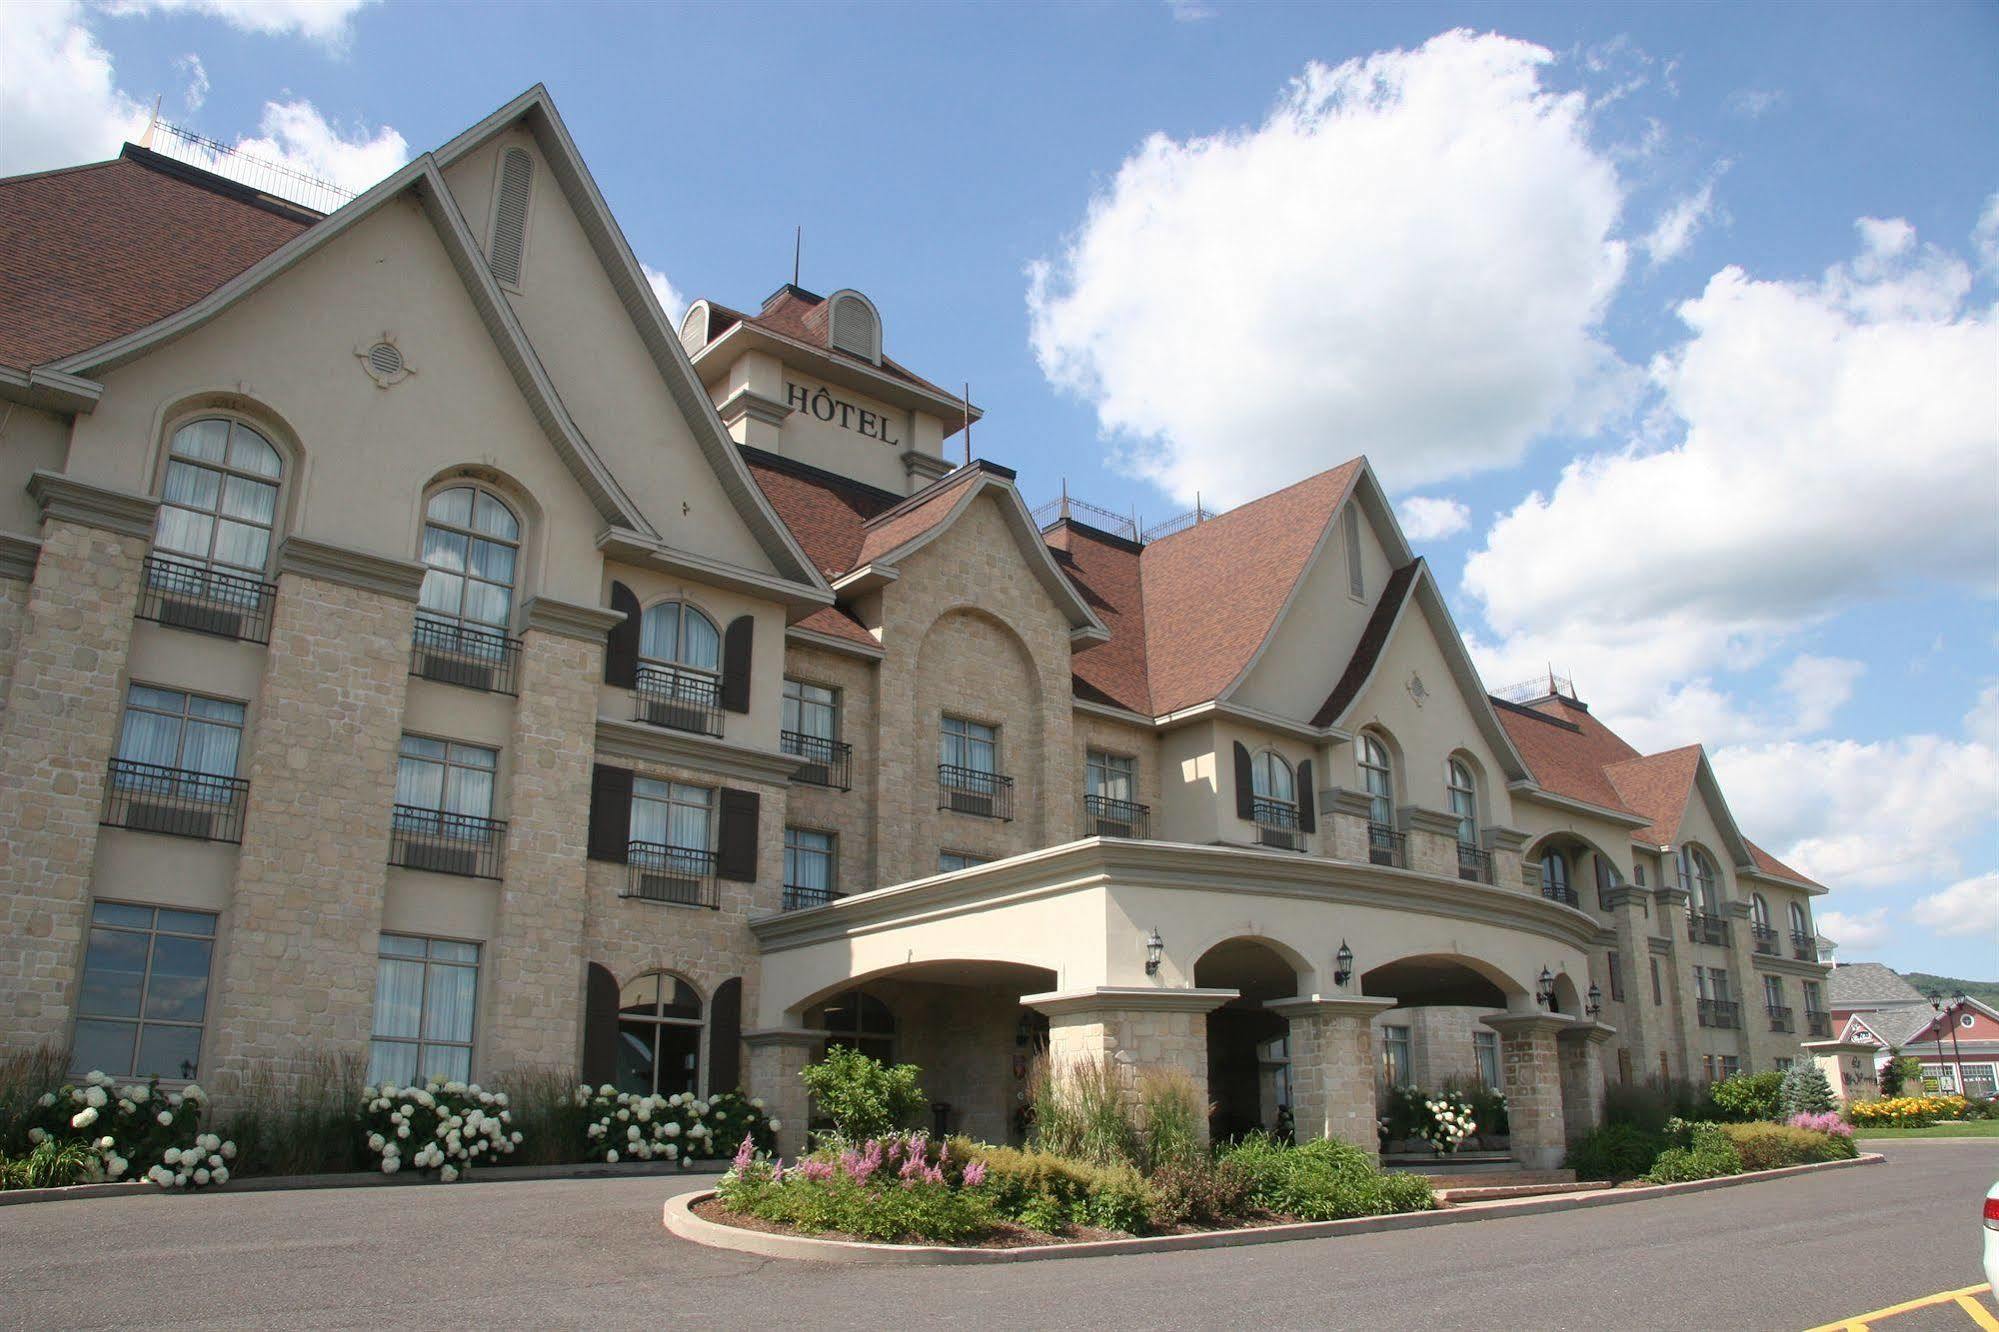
{"x": 1006, "y": 1235}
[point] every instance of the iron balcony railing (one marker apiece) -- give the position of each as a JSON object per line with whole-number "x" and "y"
{"x": 1766, "y": 939}
{"x": 1818, "y": 1024}
{"x": 1780, "y": 1017}
{"x": 1804, "y": 947}
{"x": 682, "y": 876}
{"x": 1385, "y": 846}
{"x": 1276, "y": 822}
{"x": 1705, "y": 927}
{"x": 827, "y": 762}
{"x": 446, "y": 843}
{"x": 1105, "y": 816}
{"x": 181, "y": 802}
{"x": 1474, "y": 864}
{"x": 457, "y": 654}
{"x": 798, "y": 898}
{"x": 188, "y": 596}
{"x": 972, "y": 791}
{"x": 1559, "y": 890}
{"x": 1719, "y": 1013}
{"x": 678, "y": 699}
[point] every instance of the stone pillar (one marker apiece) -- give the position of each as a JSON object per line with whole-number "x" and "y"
{"x": 299, "y": 959}
{"x": 1433, "y": 840}
{"x": 1530, "y": 1068}
{"x": 534, "y": 1014}
{"x": 71, "y": 641}
{"x": 1332, "y": 1067}
{"x": 1686, "y": 1033}
{"x": 1344, "y": 812}
{"x": 1138, "y": 1027}
{"x": 1581, "y": 1049}
{"x": 778, "y": 1055}
{"x": 18, "y": 556}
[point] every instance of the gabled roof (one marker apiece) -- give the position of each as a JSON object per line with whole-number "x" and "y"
{"x": 1867, "y": 985}
{"x": 1105, "y": 569}
{"x": 1657, "y": 786}
{"x": 96, "y": 252}
{"x": 1771, "y": 867}
{"x": 826, "y": 512}
{"x": 1373, "y": 642}
{"x": 1567, "y": 755}
{"x": 922, "y": 514}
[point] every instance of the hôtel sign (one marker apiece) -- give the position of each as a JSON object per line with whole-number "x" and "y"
{"x": 821, "y": 405}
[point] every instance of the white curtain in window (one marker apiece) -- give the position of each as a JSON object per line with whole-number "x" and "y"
{"x": 398, "y": 998}
{"x": 687, "y": 821}
{"x": 149, "y": 737}
{"x": 448, "y": 1011}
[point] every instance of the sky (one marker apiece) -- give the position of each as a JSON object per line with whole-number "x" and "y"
{"x": 1671, "y": 328}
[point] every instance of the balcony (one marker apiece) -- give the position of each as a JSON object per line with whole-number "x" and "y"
{"x": 1818, "y": 1024}
{"x": 1804, "y": 947}
{"x": 1766, "y": 940}
{"x": 188, "y": 596}
{"x": 1720, "y": 1013}
{"x": 446, "y": 843}
{"x": 1780, "y": 1017}
{"x": 1559, "y": 890}
{"x": 1474, "y": 865}
{"x": 804, "y": 899}
{"x": 454, "y": 654}
{"x": 679, "y": 700}
{"x": 1704, "y": 927}
{"x": 1107, "y": 817}
{"x": 827, "y": 762}
{"x": 1385, "y": 846}
{"x": 1276, "y": 823}
{"x": 180, "y": 802}
{"x": 676, "y": 875}
{"x": 974, "y": 791}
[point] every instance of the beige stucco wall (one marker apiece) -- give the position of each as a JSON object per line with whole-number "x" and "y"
{"x": 29, "y": 439}
{"x": 1319, "y": 630}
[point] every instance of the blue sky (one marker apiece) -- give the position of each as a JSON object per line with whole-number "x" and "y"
{"x": 1678, "y": 321}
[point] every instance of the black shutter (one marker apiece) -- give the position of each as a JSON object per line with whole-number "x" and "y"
{"x": 1308, "y": 799}
{"x": 621, "y": 645}
{"x": 600, "y": 1026}
{"x": 736, "y": 664}
{"x": 736, "y": 856}
{"x": 725, "y": 1037}
{"x": 610, "y": 812}
{"x": 1245, "y": 784}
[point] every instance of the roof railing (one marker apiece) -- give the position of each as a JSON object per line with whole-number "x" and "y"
{"x": 273, "y": 178}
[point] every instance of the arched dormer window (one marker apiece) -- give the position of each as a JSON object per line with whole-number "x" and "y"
{"x": 1759, "y": 912}
{"x": 1377, "y": 779}
{"x": 471, "y": 557}
{"x": 854, "y": 326}
{"x": 1555, "y": 883}
{"x": 673, "y": 633}
{"x": 1706, "y": 882}
{"x": 659, "y": 1036}
{"x": 219, "y": 502}
{"x": 1272, "y": 780}
{"x": 1464, "y": 801}
{"x": 1801, "y": 924}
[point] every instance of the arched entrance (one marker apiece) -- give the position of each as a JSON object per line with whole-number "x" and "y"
{"x": 1248, "y": 1069}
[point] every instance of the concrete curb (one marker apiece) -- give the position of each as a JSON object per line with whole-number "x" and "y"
{"x": 366, "y": 1179}
{"x": 680, "y": 1220}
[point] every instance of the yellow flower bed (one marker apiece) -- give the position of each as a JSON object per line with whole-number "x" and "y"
{"x": 1905, "y": 1111}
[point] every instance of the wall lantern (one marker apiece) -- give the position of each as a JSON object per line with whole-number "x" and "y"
{"x": 1343, "y": 964}
{"x": 1154, "y": 946}
{"x": 1595, "y": 1000}
{"x": 1547, "y": 995}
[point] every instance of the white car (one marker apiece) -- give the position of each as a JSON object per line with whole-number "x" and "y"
{"x": 1992, "y": 1239}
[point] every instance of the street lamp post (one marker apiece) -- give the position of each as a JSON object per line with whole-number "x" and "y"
{"x": 1936, "y": 1006}
{"x": 1957, "y": 1007}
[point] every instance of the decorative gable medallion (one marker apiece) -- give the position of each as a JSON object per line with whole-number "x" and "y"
{"x": 1418, "y": 692}
{"x": 384, "y": 361}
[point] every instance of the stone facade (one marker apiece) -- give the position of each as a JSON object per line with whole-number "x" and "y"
{"x": 1531, "y": 1072}
{"x": 1333, "y": 1068}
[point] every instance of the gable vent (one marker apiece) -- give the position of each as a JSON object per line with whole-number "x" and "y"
{"x": 855, "y": 328}
{"x": 694, "y": 329}
{"x": 385, "y": 359}
{"x": 510, "y": 215}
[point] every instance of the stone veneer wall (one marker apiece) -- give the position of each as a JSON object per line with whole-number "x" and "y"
{"x": 847, "y": 814}
{"x": 56, "y": 736}
{"x": 1093, "y": 732}
{"x": 13, "y": 609}
{"x": 963, "y": 1038}
{"x": 298, "y": 966}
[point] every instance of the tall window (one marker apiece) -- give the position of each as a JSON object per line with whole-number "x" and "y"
{"x": 659, "y": 1036}
{"x": 166, "y": 728}
{"x": 1759, "y": 912}
{"x": 811, "y": 710}
{"x": 443, "y": 776}
{"x": 1814, "y": 1000}
{"x": 1555, "y": 875}
{"x": 1378, "y": 780}
{"x": 1801, "y": 924}
{"x": 973, "y": 746}
{"x": 220, "y": 501}
{"x": 1395, "y": 1056}
{"x": 1773, "y": 991}
{"x": 1110, "y": 776}
{"x": 808, "y": 868}
{"x": 145, "y": 991}
{"x": 858, "y": 1021}
{"x": 1464, "y": 802}
{"x": 425, "y": 993}
{"x": 1270, "y": 777}
{"x": 676, "y": 819}
{"x": 471, "y": 547}
{"x": 676, "y": 634}
{"x": 1698, "y": 877}
{"x": 1614, "y": 970}
{"x": 1658, "y": 988}
{"x": 1485, "y": 1045}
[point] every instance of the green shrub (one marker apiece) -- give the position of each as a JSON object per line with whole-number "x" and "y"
{"x": 863, "y": 1097}
{"x": 1616, "y": 1152}
{"x": 1768, "y": 1146}
{"x": 1749, "y": 1096}
{"x": 1488, "y": 1105}
{"x": 1805, "y": 1090}
{"x": 1709, "y": 1155}
{"x": 1171, "y": 1116}
{"x": 1324, "y": 1180}
{"x": 50, "y": 1164}
{"x": 1050, "y": 1192}
{"x": 1898, "y": 1073}
{"x": 24, "y": 1076}
{"x": 1651, "y": 1103}
{"x": 300, "y": 1117}
{"x": 884, "y": 1206}
{"x": 1201, "y": 1192}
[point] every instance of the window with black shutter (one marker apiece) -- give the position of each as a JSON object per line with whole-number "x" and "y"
{"x": 1245, "y": 783}
{"x": 736, "y": 844}
{"x": 610, "y": 813}
{"x": 1308, "y": 800}
{"x": 725, "y": 1035}
{"x": 736, "y": 642}
{"x": 621, "y": 645}
{"x": 600, "y": 1026}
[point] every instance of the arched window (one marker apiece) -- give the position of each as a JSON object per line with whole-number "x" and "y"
{"x": 1707, "y": 884}
{"x": 1464, "y": 802}
{"x": 471, "y": 552}
{"x": 858, "y": 1021}
{"x": 659, "y": 1036}
{"x": 1378, "y": 780}
{"x": 1801, "y": 924}
{"x": 1555, "y": 876}
{"x": 1759, "y": 912}
{"x": 219, "y": 503}
{"x": 673, "y": 633}
{"x": 854, "y": 326}
{"x": 1271, "y": 778}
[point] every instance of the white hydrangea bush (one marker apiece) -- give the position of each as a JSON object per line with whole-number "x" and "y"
{"x": 630, "y": 1126}
{"x": 135, "y": 1131}
{"x": 441, "y": 1127}
{"x": 1448, "y": 1123}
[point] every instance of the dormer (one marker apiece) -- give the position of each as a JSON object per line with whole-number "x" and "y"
{"x": 855, "y": 326}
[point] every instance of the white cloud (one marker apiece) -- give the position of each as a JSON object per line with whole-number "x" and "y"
{"x": 1824, "y": 444}
{"x": 196, "y": 74}
{"x": 1819, "y": 687}
{"x": 1750, "y": 103}
{"x": 1190, "y": 11}
{"x": 1411, "y": 256}
{"x": 318, "y": 20}
{"x": 1985, "y": 236}
{"x": 1969, "y": 906}
{"x": 1853, "y": 930}
{"x": 296, "y": 135}
{"x": 1427, "y": 518}
{"x": 59, "y": 99}
{"x": 1675, "y": 229}
{"x": 670, "y": 298}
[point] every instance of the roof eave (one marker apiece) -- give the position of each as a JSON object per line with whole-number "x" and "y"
{"x": 836, "y": 369}
{"x": 647, "y": 551}
{"x": 49, "y": 390}
{"x": 1527, "y": 788}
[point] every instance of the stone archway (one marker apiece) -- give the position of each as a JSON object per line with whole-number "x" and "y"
{"x": 1248, "y": 1065}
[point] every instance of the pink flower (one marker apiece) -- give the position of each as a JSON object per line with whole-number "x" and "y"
{"x": 746, "y": 1153}
{"x": 975, "y": 1174}
{"x": 777, "y": 1171}
{"x": 816, "y": 1171}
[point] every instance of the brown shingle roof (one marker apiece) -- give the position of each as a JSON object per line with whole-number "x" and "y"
{"x": 837, "y": 623}
{"x": 1567, "y": 753}
{"x": 1105, "y": 570}
{"x": 916, "y": 515}
{"x": 1776, "y": 868}
{"x": 96, "y": 252}
{"x": 827, "y": 513}
{"x": 1658, "y": 787}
